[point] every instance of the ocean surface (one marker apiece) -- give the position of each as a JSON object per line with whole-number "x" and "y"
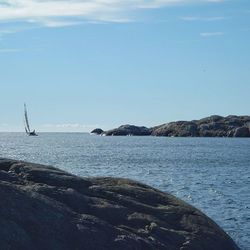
{"x": 213, "y": 174}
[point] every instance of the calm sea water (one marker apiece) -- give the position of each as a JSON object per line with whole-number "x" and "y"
{"x": 213, "y": 174}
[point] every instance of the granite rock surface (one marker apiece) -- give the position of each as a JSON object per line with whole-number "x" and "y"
{"x": 43, "y": 207}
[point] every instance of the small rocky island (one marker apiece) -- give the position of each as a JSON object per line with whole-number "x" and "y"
{"x": 97, "y": 131}
{"x": 213, "y": 126}
{"x": 43, "y": 207}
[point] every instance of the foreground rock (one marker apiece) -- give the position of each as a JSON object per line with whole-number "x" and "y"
{"x": 45, "y": 208}
{"x": 128, "y": 130}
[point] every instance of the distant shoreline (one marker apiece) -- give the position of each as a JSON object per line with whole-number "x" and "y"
{"x": 212, "y": 126}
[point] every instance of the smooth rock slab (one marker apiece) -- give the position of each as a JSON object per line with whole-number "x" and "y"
{"x": 42, "y": 207}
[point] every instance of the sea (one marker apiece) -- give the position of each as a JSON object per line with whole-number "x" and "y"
{"x": 212, "y": 174}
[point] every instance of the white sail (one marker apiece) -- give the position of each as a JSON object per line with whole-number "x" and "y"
{"x": 26, "y": 121}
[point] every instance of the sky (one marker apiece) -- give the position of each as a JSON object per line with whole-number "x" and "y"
{"x": 80, "y": 64}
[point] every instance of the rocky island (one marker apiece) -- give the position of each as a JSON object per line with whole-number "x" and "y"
{"x": 213, "y": 126}
{"x": 128, "y": 130}
{"x": 43, "y": 207}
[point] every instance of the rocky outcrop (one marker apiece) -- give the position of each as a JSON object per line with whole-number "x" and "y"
{"x": 43, "y": 207}
{"x": 97, "y": 131}
{"x": 213, "y": 126}
{"x": 128, "y": 130}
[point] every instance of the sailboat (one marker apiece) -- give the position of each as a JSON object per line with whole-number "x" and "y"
{"x": 26, "y": 123}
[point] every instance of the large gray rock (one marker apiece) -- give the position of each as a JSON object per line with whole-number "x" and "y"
{"x": 46, "y": 208}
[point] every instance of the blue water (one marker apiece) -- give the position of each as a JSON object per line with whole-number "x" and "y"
{"x": 213, "y": 174}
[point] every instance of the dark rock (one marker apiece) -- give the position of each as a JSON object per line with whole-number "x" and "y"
{"x": 46, "y": 208}
{"x": 128, "y": 130}
{"x": 242, "y": 132}
{"x": 97, "y": 131}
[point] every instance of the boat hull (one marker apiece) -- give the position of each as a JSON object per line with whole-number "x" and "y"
{"x": 32, "y": 134}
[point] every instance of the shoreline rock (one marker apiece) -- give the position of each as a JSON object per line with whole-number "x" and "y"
{"x": 43, "y": 207}
{"x": 97, "y": 131}
{"x": 213, "y": 126}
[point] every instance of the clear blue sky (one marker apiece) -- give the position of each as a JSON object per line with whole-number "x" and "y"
{"x": 82, "y": 64}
